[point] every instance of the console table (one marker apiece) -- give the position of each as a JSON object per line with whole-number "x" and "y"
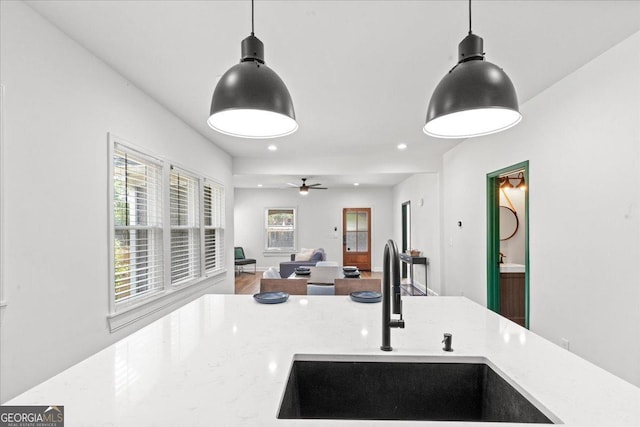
{"x": 411, "y": 261}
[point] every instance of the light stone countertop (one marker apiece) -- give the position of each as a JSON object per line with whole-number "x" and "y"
{"x": 223, "y": 360}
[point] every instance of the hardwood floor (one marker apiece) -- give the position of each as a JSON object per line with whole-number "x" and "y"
{"x": 249, "y": 284}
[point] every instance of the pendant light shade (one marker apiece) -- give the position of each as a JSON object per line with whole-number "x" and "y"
{"x": 250, "y": 100}
{"x": 475, "y": 98}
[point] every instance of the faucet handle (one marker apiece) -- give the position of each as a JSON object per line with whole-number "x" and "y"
{"x": 397, "y": 323}
{"x": 447, "y": 342}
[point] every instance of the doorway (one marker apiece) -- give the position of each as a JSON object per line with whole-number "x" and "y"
{"x": 508, "y": 242}
{"x": 356, "y": 237}
{"x": 406, "y": 232}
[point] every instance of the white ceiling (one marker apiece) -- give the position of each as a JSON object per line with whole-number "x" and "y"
{"x": 360, "y": 72}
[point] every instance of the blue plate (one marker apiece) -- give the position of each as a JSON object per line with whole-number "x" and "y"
{"x": 271, "y": 297}
{"x": 351, "y": 274}
{"x": 349, "y": 268}
{"x": 366, "y": 296}
{"x": 303, "y": 272}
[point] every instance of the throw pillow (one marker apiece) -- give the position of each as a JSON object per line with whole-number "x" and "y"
{"x": 304, "y": 254}
{"x": 318, "y": 255}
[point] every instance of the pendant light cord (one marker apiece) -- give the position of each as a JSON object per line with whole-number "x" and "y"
{"x": 469, "y": 15}
{"x": 252, "y": 33}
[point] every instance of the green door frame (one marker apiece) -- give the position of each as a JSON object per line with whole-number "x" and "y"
{"x": 493, "y": 238}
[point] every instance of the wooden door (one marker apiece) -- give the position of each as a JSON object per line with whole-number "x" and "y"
{"x": 356, "y": 237}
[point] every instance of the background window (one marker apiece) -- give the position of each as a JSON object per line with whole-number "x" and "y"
{"x": 137, "y": 200}
{"x": 280, "y": 229}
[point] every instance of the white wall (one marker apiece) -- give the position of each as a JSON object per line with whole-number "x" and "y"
{"x": 422, "y": 190}
{"x": 582, "y": 138}
{"x": 60, "y": 103}
{"x": 318, "y": 214}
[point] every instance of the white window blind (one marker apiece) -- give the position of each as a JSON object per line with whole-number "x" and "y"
{"x": 280, "y": 229}
{"x": 213, "y": 196}
{"x": 184, "y": 197}
{"x": 137, "y": 206}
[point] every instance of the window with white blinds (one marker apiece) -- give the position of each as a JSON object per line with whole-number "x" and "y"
{"x": 213, "y": 221}
{"x": 184, "y": 192}
{"x": 280, "y": 229}
{"x": 168, "y": 227}
{"x": 137, "y": 209}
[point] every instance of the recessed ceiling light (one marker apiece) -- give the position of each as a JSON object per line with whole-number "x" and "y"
{"x": 356, "y": 183}
{"x": 402, "y": 146}
{"x": 272, "y": 147}
{"x": 259, "y": 185}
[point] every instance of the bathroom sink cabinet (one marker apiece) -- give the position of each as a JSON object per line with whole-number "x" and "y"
{"x": 512, "y": 297}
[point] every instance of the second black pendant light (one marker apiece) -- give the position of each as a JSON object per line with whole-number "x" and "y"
{"x": 251, "y": 100}
{"x": 475, "y": 98}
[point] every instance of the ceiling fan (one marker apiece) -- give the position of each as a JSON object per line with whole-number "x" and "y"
{"x": 304, "y": 188}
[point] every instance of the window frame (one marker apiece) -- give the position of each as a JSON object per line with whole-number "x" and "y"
{"x": 193, "y": 227}
{"x": 123, "y": 314}
{"x": 217, "y": 225}
{"x": 123, "y": 305}
{"x": 276, "y": 250}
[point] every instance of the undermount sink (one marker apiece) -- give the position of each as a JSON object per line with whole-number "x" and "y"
{"x": 410, "y": 388}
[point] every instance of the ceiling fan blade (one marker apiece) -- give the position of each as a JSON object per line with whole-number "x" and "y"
{"x": 317, "y": 188}
{"x": 313, "y": 185}
{"x": 292, "y": 185}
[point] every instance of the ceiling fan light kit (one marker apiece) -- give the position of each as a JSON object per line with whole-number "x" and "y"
{"x": 475, "y": 98}
{"x": 304, "y": 188}
{"x": 250, "y": 99}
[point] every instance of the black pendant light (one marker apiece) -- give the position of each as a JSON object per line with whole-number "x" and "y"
{"x": 475, "y": 98}
{"x": 250, "y": 100}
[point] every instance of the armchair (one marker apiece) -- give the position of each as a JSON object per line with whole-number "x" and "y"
{"x": 241, "y": 260}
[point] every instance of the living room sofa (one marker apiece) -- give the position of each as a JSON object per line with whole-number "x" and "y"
{"x": 288, "y": 267}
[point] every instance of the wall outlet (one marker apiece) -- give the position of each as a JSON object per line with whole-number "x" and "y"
{"x": 564, "y": 343}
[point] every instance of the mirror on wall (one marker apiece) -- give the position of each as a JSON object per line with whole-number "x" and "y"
{"x": 508, "y": 222}
{"x": 406, "y": 226}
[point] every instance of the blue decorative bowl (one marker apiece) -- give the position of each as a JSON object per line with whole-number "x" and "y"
{"x": 366, "y": 296}
{"x": 271, "y": 297}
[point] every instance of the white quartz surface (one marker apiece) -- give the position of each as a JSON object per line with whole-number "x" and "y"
{"x": 223, "y": 360}
{"x": 511, "y": 268}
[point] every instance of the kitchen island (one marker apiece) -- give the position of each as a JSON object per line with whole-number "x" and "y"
{"x": 223, "y": 360}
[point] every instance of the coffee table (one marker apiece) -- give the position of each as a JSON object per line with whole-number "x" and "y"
{"x": 321, "y": 275}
